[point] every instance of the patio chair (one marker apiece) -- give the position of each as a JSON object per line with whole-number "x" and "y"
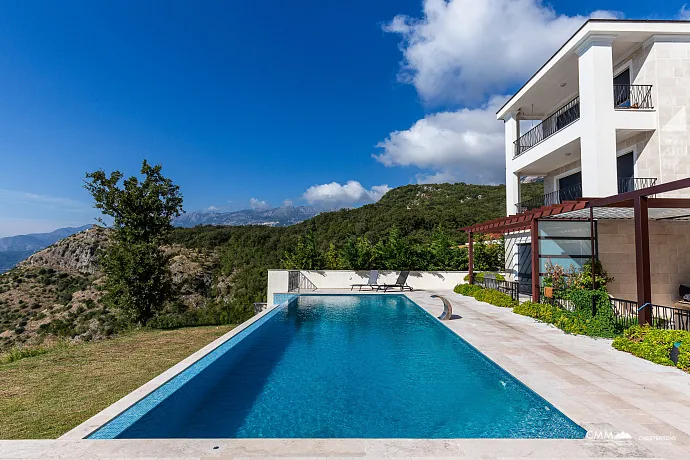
{"x": 372, "y": 283}
{"x": 401, "y": 283}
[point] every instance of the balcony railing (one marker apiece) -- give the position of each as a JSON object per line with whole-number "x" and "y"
{"x": 549, "y": 126}
{"x": 557, "y": 197}
{"x": 625, "y": 184}
{"x": 626, "y": 97}
{"x": 630, "y": 184}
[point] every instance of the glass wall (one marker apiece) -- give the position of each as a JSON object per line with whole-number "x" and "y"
{"x": 565, "y": 243}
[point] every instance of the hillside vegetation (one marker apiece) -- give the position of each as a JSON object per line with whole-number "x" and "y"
{"x": 218, "y": 272}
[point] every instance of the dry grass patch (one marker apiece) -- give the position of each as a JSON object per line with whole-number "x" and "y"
{"x": 47, "y": 395}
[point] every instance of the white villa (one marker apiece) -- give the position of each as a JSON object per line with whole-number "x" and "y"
{"x": 609, "y": 113}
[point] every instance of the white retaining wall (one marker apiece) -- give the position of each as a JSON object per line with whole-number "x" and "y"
{"x": 342, "y": 279}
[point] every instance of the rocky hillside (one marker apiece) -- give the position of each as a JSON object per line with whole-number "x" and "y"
{"x": 16, "y": 248}
{"x": 56, "y": 293}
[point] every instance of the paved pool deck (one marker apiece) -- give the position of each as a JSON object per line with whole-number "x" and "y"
{"x": 603, "y": 390}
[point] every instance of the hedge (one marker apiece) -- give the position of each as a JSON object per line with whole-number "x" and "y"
{"x": 467, "y": 289}
{"x": 480, "y": 276}
{"x": 579, "y": 321}
{"x": 655, "y": 345}
{"x": 491, "y": 296}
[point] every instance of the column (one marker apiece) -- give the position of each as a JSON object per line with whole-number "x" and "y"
{"x": 598, "y": 140}
{"x": 512, "y": 133}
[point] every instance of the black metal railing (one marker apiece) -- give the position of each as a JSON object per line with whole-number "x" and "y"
{"x": 512, "y": 288}
{"x": 557, "y": 197}
{"x": 564, "y": 116}
{"x": 558, "y": 298}
{"x": 662, "y": 317}
{"x": 298, "y": 282}
{"x": 630, "y": 184}
{"x": 632, "y": 97}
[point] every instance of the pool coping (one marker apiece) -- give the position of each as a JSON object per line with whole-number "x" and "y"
{"x": 110, "y": 413}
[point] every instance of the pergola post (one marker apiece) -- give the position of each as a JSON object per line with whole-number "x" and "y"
{"x": 642, "y": 266}
{"x": 534, "y": 238}
{"x": 470, "y": 256}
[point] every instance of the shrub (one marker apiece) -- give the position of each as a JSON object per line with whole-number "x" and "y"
{"x": 572, "y": 322}
{"x": 494, "y": 297}
{"x": 655, "y": 345}
{"x": 602, "y": 323}
{"x": 480, "y": 277}
{"x": 491, "y": 296}
{"x": 467, "y": 289}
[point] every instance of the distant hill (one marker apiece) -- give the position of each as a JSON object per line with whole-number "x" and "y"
{"x": 14, "y": 249}
{"x": 57, "y": 290}
{"x": 276, "y": 217}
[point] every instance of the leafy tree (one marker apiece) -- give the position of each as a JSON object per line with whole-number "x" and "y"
{"x": 305, "y": 256}
{"x": 332, "y": 258}
{"x": 138, "y": 281}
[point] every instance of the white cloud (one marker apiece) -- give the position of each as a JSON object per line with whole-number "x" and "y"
{"x": 684, "y": 13}
{"x": 213, "y": 208}
{"x": 258, "y": 205}
{"x": 288, "y": 203}
{"x": 336, "y": 195}
{"x": 461, "y": 51}
{"x": 463, "y": 145}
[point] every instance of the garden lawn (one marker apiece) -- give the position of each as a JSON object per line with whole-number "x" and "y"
{"x": 47, "y": 395}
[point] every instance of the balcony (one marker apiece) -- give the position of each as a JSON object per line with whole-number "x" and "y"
{"x": 625, "y": 184}
{"x": 557, "y": 197}
{"x": 632, "y": 97}
{"x": 625, "y": 97}
{"x": 564, "y": 116}
{"x": 630, "y": 184}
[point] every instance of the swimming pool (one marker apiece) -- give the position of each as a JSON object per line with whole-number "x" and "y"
{"x": 343, "y": 366}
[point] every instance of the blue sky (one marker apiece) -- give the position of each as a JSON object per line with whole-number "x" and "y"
{"x": 260, "y": 103}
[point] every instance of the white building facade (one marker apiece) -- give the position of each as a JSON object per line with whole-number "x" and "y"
{"x": 608, "y": 113}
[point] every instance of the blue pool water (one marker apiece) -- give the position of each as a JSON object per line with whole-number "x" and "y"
{"x": 369, "y": 366}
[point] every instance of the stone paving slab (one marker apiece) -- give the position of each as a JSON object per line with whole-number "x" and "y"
{"x": 602, "y": 389}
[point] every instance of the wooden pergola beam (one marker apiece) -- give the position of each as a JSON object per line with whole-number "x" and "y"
{"x": 642, "y": 268}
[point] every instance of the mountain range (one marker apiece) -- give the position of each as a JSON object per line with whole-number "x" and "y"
{"x": 14, "y": 249}
{"x": 276, "y": 217}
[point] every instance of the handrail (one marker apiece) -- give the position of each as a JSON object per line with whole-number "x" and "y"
{"x": 627, "y": 97}
{"x": 559, "y": 196}
{"x": 630, "y": 184}
{"x": 564, "y": 116}
{"x": 297, "y": 282}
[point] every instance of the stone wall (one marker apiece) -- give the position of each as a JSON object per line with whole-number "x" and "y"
{"x": 669, "y": 256}
{"x": 664, "y": 153}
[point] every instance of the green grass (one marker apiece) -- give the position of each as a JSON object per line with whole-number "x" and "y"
{"x": 45, "y": 396}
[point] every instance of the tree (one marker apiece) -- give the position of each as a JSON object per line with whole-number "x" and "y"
{"x": 306, "y": 256}
{"x": 332, "y": 258}
{"x": 138, "y": 281}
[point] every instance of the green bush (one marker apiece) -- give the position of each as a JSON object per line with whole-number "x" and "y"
{"x": 467, "y": 289}
{"x": 491, "y": 296}
{"x": 494, "y": 297}
{"x": 578, "y": 322}
{"x": 655, "y": 345}
{"x": 602, "y": 323}
{"x": 480, "y": 277}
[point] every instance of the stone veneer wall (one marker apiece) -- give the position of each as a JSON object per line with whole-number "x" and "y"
{"x": 664, "y": 153}
{"x": 550, "y": 182}
{"x": 669, "y": 244}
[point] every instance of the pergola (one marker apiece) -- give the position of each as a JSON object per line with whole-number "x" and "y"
{"x": 639, "y": 205}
